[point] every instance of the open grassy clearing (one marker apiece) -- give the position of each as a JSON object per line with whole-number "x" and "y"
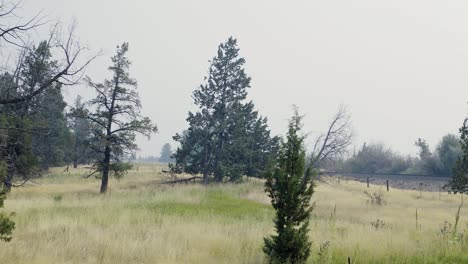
{"x": 63, "y": 219}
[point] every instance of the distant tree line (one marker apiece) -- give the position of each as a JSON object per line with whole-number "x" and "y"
{"x": 377, "y": 158}
{"x": 164, "y": 157}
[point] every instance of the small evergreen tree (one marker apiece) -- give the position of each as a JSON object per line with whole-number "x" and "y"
{"x": 290, "y": 188}
{"x": 459, "y": 181}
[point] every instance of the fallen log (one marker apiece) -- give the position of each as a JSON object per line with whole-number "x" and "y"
{"x": 186, "y": 180}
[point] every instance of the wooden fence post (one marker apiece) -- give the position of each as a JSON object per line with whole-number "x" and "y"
{"x": 388, "y": 189}
{"x": 367, "y": 182}
{"x": 417, "y": 219}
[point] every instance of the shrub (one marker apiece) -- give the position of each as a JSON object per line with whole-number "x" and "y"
{"x": 376, "y": 198}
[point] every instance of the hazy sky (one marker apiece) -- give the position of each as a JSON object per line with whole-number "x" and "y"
{"x": 400, "y": 66}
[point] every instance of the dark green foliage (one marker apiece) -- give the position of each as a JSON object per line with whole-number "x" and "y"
{"x": 16, "y": 149}
{"x": 116, "y": 169}
{"x": 290, "y": 188}
{"x": 116, "y": 119}
{"x": 166, "y": 153}
{"x": 51, "y": 137}
{"x": 226, "y": 137}
{"x": 459, "y": 181}
{"x": 33, "y": 131}
{"x": 54, "y": 140}
{"x": 39, "y": 123}
{"x": 81, "y": 135}
{"x": 6, "y": 224}
{"x": 448, "y": 152}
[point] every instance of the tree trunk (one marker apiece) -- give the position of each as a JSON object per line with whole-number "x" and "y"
{"x": 205, "y": 178}
{"x": 75, "y": 163}
{"x": 8, "y": 182}
{"x": 218, "y": 175}
{"x": 105, "y": 169}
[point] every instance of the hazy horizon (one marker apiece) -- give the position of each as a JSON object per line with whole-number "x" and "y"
{"x": 399, "y": 66}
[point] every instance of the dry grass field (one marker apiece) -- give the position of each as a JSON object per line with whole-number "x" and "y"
{"x": 62, "y": 218}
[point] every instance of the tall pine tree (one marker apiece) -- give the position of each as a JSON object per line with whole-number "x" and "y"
{"x": 290, "y": 188}
{"x": 219, "y": 138}
{"x": 50, "y": 134}
{"x": 116, "y": 119}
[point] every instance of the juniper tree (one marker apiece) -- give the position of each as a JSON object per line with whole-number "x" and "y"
{"x": 459, "y": 181}
{"x": 224, "y": 125}
{"x": 290, "y": 187}
{"x": 116, "y": 119}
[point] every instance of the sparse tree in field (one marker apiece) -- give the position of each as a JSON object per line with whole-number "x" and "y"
{"x": 290, "y": 188}
{"x": 335, "y": 142}
{"x": 459, "y": 181}
{"x": 219, "y": 140}
{"x": 116, "y": 119}
{"x": 166, "y": 153}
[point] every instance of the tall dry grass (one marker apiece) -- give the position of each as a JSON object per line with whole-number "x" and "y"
{"x": 63, "y": 219}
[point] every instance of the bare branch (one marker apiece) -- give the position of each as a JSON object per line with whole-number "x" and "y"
{"x": 335, "y": 142}
{"x": 69, "y": 73}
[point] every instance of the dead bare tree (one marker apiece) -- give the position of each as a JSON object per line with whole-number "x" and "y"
{"x": 335, "y": 141}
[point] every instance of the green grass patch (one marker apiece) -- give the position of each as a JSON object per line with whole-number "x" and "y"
{"x": 211, "y": 203}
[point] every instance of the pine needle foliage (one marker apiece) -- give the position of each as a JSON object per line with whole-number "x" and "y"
{"x": 459, "y": 183}
{"x": 290, "y": 187}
